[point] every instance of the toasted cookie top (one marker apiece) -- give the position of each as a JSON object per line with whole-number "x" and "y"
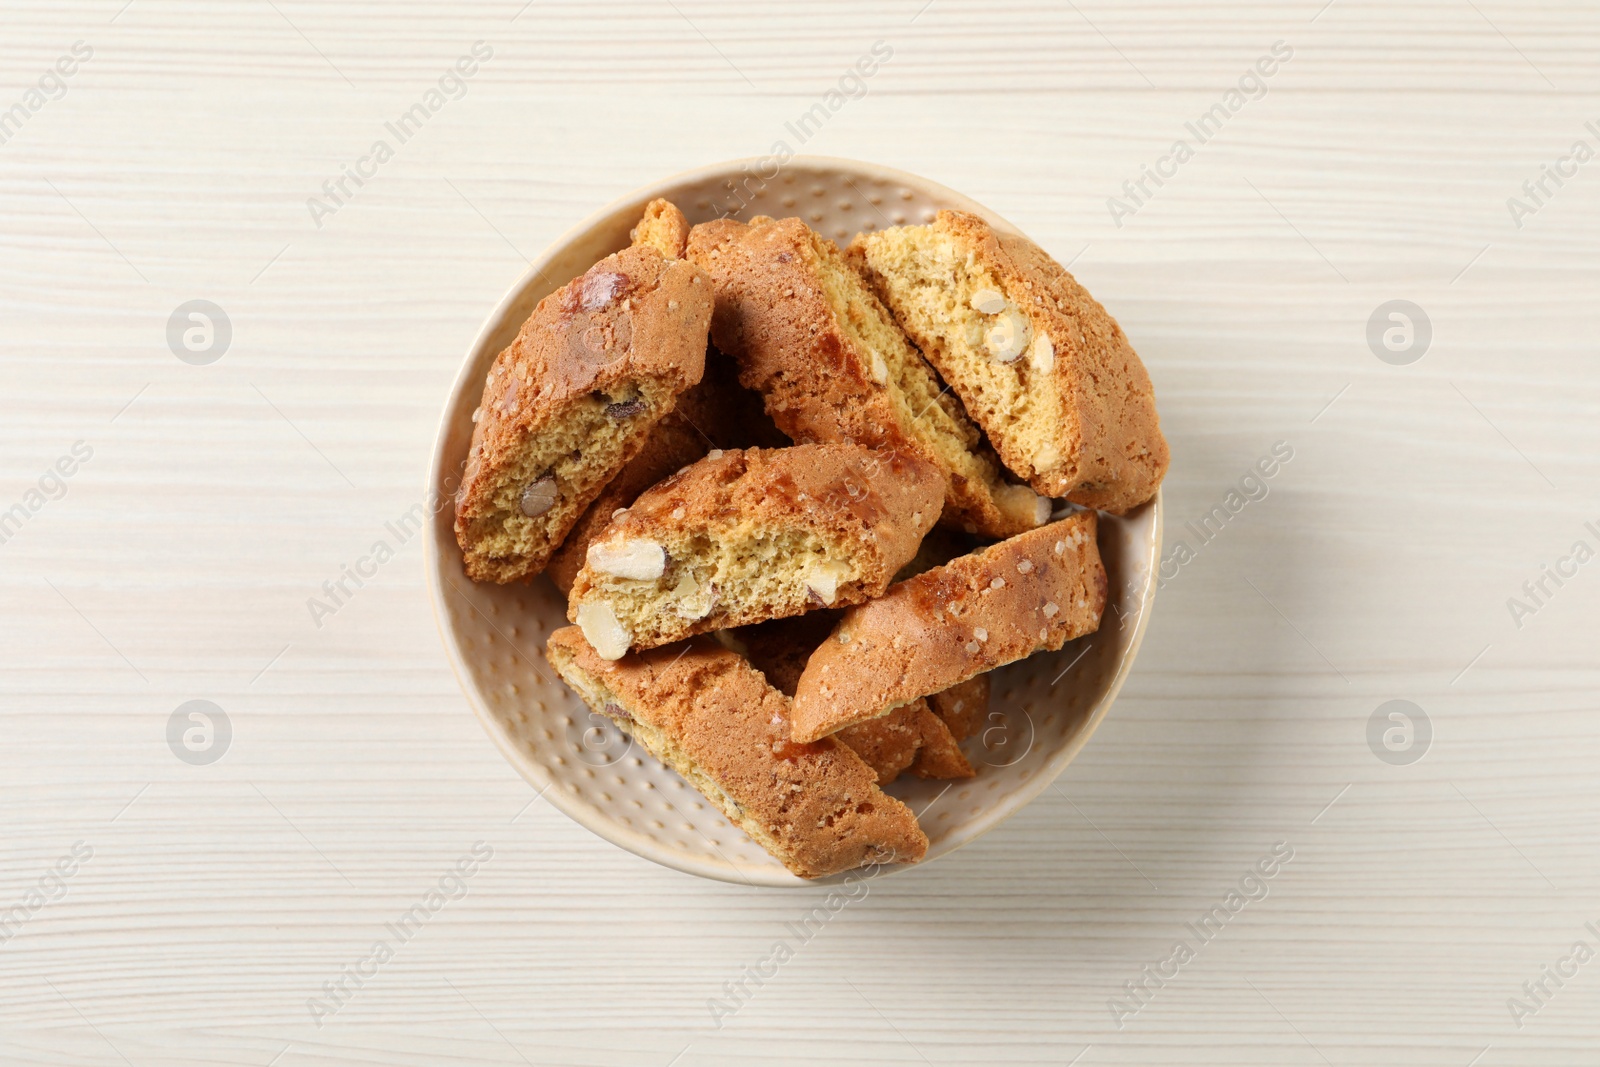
{"x": 890, "y": 497}
{"x": 832, "y": 365}
{"x": 632, "y": 315}
{"x": 704, "y": 710}
{"x": 998, "y": 605}
{"x": 753, "y": 534}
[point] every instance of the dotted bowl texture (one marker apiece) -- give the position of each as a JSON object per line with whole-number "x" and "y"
{"x": 1043, "y": 710}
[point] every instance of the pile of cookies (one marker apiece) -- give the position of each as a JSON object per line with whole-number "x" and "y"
{"x": 802, "y": 500}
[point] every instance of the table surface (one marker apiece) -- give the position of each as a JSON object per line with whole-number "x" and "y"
{"x": 1421, "y": 544}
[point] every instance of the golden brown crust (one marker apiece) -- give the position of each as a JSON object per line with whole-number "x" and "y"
{"x": 963, "y": 707}
{"x": 940, "y": 755}
{"x": 708, "y": 714}
{"x": 773, "y": 314}
{"x": 872, "y": 507}
{"x": 631, "y": 318}
{"x": 890, "y": 744}
{"x": 1108, "y": 435}
{"x": 717, "y": 413}
{"x": 779, "y": 650}
{"x": 1034, "y": 592}
{"x": 663, "y": 228}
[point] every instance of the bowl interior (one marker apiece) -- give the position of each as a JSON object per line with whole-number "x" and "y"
{"x": 1042, "y": 711}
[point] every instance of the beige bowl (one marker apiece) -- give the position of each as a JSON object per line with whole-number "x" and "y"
{"x": 1043, "y": 710}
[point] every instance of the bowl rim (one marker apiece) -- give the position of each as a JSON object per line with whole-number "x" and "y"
{"x": 533, "y": 772}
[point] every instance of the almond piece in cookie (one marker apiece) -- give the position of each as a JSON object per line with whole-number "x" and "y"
{"x": 754, "y": 534}
{"x": 909, "y": 737}
{"x": 710, "y": 716}
{"x": 717, "y": 413}
{"x": 596, "y": 366}
{"x": 1035, "y": 592}
{"x": 1039, "y": 364}
{"x": 811, "y": 337}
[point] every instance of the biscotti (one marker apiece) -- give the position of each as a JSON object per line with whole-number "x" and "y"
{"x": 717, "y": 413}
{"x": 1031, "y": 593}
{"x": 672, "y": 445}
{"x": 939, "y": 756}
{"x": 710, "y": 716}
{"x": 832, "y": 365}
{"x": 572, "y": 400}
{"x": 963, "y": 707}
{"x": 663, "y": 228}
{"x": 1038, "y": 363}
{"x": 748, "y": 535}
{"x": 910, "y": 737}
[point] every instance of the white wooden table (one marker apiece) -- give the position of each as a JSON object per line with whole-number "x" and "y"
{"x": 207, "y": 904}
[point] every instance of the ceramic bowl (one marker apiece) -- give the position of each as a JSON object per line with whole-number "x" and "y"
{"x": 1043, "y": 710}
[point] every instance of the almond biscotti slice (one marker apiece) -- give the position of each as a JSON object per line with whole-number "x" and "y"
{"x": 569, "y": 402}
{"x": 1034, "y": 592}
{"x": 909, "y": 737}
{"x": 717, "y": 413}
{"x": 753, "y": 534}
{"x": 1041, "y": 366}
{"x": 710, "y": 716}
{"x": 833, "y": 366}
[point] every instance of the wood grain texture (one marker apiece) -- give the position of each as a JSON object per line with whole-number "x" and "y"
{"x": 177, "y": 565}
